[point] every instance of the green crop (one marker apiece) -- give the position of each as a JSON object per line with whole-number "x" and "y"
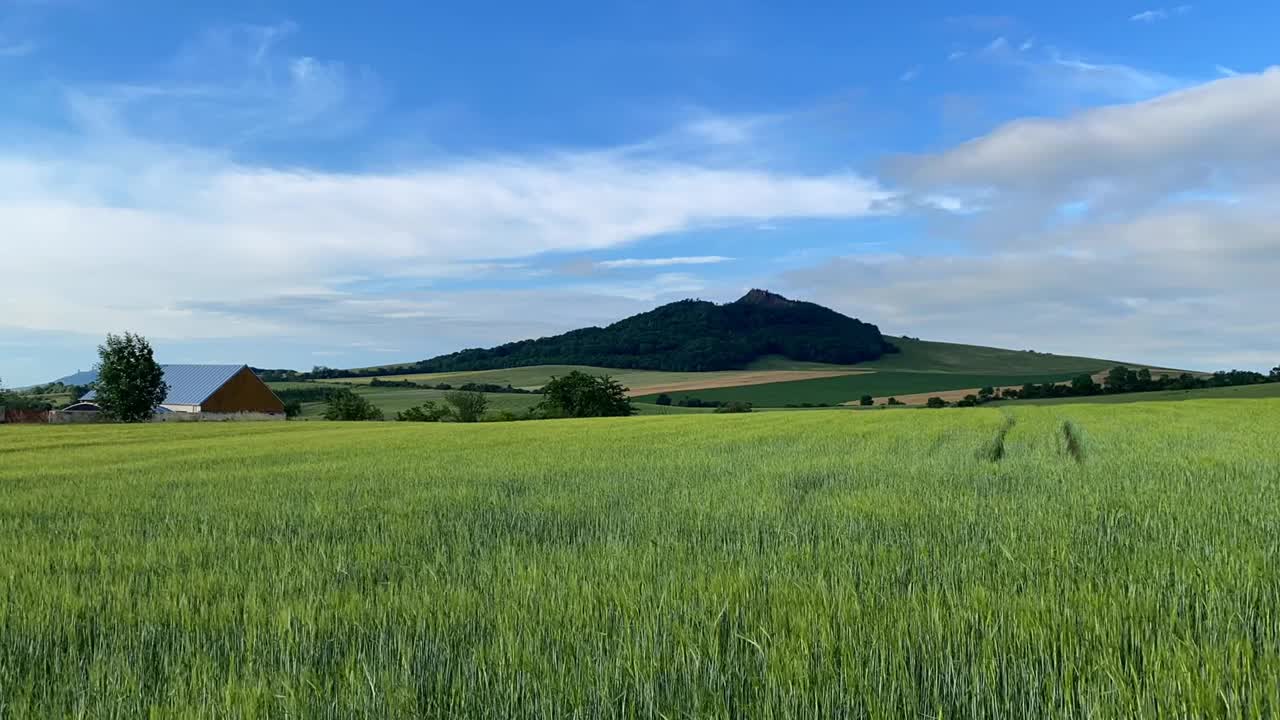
{"x": 1027, "y": 562}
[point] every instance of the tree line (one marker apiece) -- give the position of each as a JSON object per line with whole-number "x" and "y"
{"x": 1119, "y": 380}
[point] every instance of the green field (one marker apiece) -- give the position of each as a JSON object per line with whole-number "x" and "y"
{"x": 1241, "y": 392}
{"x": 538, "y": 375}
{"x": 846, "y": 388}
{"x": 392, "y": 400}
{"x": 924, "y": 355}
{"x": 958, "y": 563}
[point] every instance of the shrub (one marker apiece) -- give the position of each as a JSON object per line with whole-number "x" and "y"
{"x": 895, "y": 401}
{"x": 663, "y": 399}
{"x": 426, "y": 412}
{"x": 734, "y": 406}
{"x": 467, "y": 406}
{"x": 292, "y": 408}
{"x": 937, "y": 402}
{"x": 345, "y": 405}
{"x": 867, "y": 401}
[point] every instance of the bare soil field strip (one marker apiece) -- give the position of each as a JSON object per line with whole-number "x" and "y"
{"x": 764, "y": 377}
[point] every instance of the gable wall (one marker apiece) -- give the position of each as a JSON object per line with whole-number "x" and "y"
{"x": 243, "y": 393}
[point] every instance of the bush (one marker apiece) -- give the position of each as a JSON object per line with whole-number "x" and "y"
{"x": 345, "y": 405}
{"x": 937, "y": 402}
{"x": 663, "y": 399}
{"x": 292, "y": 408}
{"x": 734, "y": 406}
{"x": 426, "y": 412}
{"x": 467, "y": 406}
{"x": 895, "y": 401}
{"x": 867, "y": 401}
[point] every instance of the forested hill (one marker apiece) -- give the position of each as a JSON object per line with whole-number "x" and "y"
{"x": 690, "y": 336}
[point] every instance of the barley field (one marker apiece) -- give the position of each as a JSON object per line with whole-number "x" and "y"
{"x": 1027, "y": 562}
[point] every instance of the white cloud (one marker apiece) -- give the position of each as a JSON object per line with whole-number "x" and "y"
{"x": 662, "y": 262}
{"x": 725, "y": 130}
{"x": 1225, "y": 71}
{"x": 998, "y": 45}
{"x": 1220, "y": 132}
{"x": 154, "y": 235}
{"x": 1144, "y": 232}
{"x": 1191, "y": 287}
{"x": 910, "y": 75}
{"x": 1158, "y": 14}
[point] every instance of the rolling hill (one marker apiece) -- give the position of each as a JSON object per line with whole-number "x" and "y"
{"x": 763, "y": 348}
{"x": 685, "y": 336}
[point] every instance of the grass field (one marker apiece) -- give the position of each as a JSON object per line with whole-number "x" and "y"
{"x": 958, "y": 563}
{"x": 392, "y": 400}
{"x": 836, "y": 390}
{"x": 636, "y": 380}
{"x": 924, "y": 355}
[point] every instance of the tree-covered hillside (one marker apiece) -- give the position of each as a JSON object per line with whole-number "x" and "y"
{"x": 688, "y": 336}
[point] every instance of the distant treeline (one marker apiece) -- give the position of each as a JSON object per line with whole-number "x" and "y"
{"x": 1119, "y": 380}
{"x": 1123, "y": 379}
{"x": 466, "y": 387}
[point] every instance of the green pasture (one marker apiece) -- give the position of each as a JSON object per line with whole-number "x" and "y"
{"x": 1028, "y": 562}
{"x": 846, "y": 388}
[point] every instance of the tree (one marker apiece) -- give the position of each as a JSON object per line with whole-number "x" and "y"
{"x": 581, "y": 395}
{"x": 986, "y": 394}
{"x": 937, "y": 402}
{"x": 1121, "y": 379}
{"x": 895, "y": 401}
{"x": 867, "y": 401}
{"x": 1083, "y": 384}
{"x": 426, "y": 412}
{"x": 292, "y": 408}
{"x": 734, "y": 406}
{"x": 130, "y": 382}
{"x": 468, "y": 406}
{"x": 969, "y": 400}
{"x": 1275, "y": 373}
{"x": 665, "y": 399}
{"x": 345, "y": 405}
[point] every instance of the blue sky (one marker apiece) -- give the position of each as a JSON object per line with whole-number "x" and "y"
{"x": 289, "y": 184}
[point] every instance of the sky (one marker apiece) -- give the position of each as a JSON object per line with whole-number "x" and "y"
{"x": 290, "y": 184}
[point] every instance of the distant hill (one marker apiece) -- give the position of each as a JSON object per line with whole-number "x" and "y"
{"x": 688, "y": 336}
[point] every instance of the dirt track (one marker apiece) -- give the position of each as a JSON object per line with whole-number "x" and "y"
{"x": 748, "y": 377}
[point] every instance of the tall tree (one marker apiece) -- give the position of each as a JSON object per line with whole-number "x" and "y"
{"x": 130, "y": 381}
{"x": 581, "y": 395}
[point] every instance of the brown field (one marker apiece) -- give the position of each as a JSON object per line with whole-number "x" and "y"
{"x": 763, "y": 377}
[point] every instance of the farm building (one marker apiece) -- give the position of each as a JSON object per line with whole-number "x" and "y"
{"x": 214, "y": 390}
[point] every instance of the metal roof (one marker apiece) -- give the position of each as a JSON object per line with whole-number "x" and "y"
{"x": 191, "y": 384}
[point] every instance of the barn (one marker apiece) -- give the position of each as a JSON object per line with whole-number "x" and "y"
{"x": 214, "y": 390}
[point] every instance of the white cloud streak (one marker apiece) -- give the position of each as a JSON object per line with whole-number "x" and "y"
{"x": 662, "y": 262}
{"x": 1158, "y": 14}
